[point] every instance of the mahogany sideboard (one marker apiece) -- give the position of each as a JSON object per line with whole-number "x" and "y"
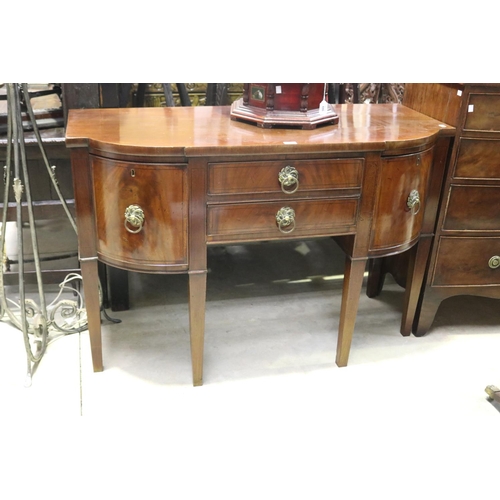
{"x": 155, "y": 186}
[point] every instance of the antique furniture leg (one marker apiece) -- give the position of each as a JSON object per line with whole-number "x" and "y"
{"x": 410, "y": 276}
{"x": 415, "y": 277}
{"x": 353, "y": 282}
{"x": 118, "y": 282}
{"x": 90, "y": 277}
{"x": 376, "y": 276}
{"x": 103, "y": 279}
{"x": 197, "y": 299}
{"x": 426, "y": 311}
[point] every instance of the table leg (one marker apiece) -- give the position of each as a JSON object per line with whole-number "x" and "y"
{"x": 197, "y": 301}
{"x": 416, "y": 272}
{"x": 376, "y": 277}
{"x": 353, "y": 282}
{"x": 426, "y": 311}
{"x": 90, "y": 277}
{"x": 118, "y": 289}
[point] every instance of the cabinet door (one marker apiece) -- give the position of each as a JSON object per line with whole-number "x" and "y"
{"x": 400, "y": 202}
{"x": 142, "y": 213}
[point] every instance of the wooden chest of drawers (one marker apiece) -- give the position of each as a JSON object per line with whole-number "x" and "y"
{"x": 155, "y": 186}
{"x": 465, "y": 256}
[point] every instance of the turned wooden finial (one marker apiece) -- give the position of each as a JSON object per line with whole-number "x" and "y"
{"x": 304, "y": 98}
{"x": 271, "y": 91}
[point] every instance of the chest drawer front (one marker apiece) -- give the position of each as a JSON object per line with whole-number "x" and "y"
{"x": 473, "y": 208}
{"x": 483, "y": 113}
{"x": 264, "y": 176}
{"x": 160, "y": 191}
{"x": 258, "y": 221}
{"x": 478, "y": 159}
{"x": 467, "y": 262}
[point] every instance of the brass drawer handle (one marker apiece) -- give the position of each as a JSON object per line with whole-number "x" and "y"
{"x": 134, "y": 216}
{"x": 414, "y": 201}
{"x": 289, "y": 176}
{"x": 285, "y": 218}
{"x": 494, "y": 262}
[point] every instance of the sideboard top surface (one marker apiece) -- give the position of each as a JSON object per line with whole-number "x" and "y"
{"x": 207, "y": 130}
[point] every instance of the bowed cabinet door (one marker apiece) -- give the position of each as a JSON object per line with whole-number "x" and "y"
{"x": 399, "y": 209}
{"x": 141, "y": 214}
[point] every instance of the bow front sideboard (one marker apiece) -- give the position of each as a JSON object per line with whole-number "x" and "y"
{"x": 155, "y": 186}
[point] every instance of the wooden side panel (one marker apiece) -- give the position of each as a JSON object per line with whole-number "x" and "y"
{"x": 84, "y": 203}
{"x": 441, "y": 101}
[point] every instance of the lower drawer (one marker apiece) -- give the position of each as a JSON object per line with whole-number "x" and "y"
{"x": 274, "y": 220}
{"x": 467, "y": 262}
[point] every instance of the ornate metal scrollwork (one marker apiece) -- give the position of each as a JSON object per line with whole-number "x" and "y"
{"x": 36, "y": 320}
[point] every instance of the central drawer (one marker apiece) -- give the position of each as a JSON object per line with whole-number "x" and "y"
{"x": 478, "y": 159}
{"x": 288, "y": 176}
{"x": 260, "y": 221}
{"x": 473, "y": 208}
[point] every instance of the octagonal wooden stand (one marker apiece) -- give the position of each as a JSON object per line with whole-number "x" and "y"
{"x": 265, "y": 118}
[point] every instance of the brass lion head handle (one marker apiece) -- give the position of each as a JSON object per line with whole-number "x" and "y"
{"x": 413, "y": 202}
{"x": 289, "y": 179}
{"x": 285, "y": 218}
{"x": 134, "y": 216}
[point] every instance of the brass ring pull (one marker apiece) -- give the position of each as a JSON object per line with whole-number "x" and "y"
{"x": 413, "y": 201}
{"x": 289, "y": 176}
{"x": 494, "y": 262}
{"x": 134, "y": 216}
{"x": 285, "y": 218}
